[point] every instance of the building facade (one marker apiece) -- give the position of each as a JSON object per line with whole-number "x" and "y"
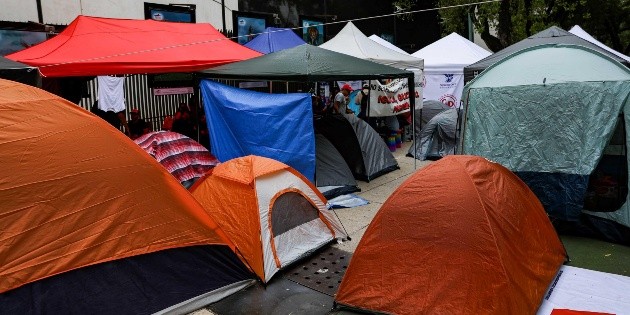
{"x": 62, "y": 12}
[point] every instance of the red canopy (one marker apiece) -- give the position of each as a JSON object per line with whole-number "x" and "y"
{"x": 99, "y": 46}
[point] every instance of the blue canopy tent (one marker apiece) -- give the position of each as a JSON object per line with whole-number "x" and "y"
{"x": 274, "y": 39}
{"x": 277, "y": 126}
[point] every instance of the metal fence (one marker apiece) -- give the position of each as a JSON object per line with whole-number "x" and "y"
{"x": 154, "y": 108}
{"x": 138, "y": 95}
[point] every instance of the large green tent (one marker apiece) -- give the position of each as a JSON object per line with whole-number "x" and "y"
{"x": 556, "y": 115}
{"x": 306, "y": 63}
{"x": 552, "y": 35}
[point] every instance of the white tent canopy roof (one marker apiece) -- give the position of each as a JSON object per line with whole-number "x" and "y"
{"x": 451, "y": 54}
{"x": 351, "y": 41}
{"x": 387, "y": 44}
{"x": 579, "y": 32}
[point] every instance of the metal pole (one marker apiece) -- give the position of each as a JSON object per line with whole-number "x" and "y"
{"x": 223, "y": 17}
{"x": 367, "y": 115}
{"x": 412, "y": 102}
{"x": 471, "y": 33}
{"x": 40, "y": 15}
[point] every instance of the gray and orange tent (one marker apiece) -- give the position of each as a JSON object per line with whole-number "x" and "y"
{"x": 92, "y": 224}
{"x": 487, "y": 248}
{"x": 271, "y": 212}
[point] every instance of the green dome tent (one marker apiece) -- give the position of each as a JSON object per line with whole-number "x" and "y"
{"x": 549, "y": 113}
{"x": 552, "y": 35}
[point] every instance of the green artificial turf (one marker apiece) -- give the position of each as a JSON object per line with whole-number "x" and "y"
{"x": 597, "y": 255}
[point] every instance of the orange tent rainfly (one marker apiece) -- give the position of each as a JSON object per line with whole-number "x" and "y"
{"x": 487, "y": 247}
{"x": 92, "y": 46}
{"x": 272, "y": 213}
{"x": 92, "y": 224}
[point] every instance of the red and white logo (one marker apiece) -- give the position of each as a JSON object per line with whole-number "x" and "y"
{"x": 448, "y": 100}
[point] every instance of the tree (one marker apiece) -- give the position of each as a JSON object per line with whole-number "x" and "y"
{"x": 402, "y": 6}
{"x": 503, "y": 23}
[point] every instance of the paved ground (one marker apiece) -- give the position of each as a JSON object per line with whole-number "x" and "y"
{"x": 583, "y": 252}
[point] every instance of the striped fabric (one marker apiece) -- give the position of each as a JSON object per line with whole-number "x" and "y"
{"x": 183, "y": 157}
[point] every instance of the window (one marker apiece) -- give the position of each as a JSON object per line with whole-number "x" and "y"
{"x": 247, "y": 25}
{"x": 184, "y": 13}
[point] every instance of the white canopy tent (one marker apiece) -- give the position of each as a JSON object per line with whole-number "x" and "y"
{"x": 387, "y": 44}
{"x": 580, "y": 32}
{"x": 445, "y": 60}
{"x": 351, "y": 41}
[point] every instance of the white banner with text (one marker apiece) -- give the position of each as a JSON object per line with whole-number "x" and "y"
{"x": 444, "y": 87}
{"x": 393, "y": 98}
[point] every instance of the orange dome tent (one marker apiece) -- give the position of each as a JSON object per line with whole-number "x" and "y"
{"x": 90, "y": 223}
{"x": 486, "y": 248}
{"x": 271, "y": 212}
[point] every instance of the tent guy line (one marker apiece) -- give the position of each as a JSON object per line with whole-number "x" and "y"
{"x": 256, "y": 34}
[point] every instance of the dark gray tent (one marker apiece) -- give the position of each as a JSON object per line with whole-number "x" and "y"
{"x": 552, "y": 35}
{"x": 429, "y": 109}
{"x": 19, "y": 72}
{"x": 437, "y": 138}
{"x": 361, "y": 147}
{"x": 332, "y": 176}
{"x": 377, "y": 158}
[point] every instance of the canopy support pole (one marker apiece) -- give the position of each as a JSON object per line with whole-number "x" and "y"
{"x": 367, "y": 115}
{"x": 412, "y": 102}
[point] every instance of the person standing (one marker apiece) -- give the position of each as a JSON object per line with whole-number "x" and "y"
{"x": 340, "y": 105}
{"x": 182, "y": 123}
{"x": 136, "y": 124}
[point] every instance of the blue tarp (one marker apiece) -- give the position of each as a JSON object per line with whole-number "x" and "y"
{"x": 274, "y": 39}
{"x": 277, "y": 126}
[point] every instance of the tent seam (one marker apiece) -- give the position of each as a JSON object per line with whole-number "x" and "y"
{"x": 485, "y": 212}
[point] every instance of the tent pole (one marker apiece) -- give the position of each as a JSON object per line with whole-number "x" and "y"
{"x": 270, "y": 87}
{"x": 412, "y": 102}
{"x": 195, "y": 101}
{"x": 367, "y": 115}
{"x": 287, "y": 87}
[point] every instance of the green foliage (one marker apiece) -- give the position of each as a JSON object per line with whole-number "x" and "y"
{"x": 510, "y": 21}
{"x": 402, "y": 6}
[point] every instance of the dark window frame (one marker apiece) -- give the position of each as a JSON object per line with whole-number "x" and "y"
{"x": 190, "y": 9}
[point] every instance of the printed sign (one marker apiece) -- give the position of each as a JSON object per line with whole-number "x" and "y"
{"x": 313, "y": 32}
{"x": 444, "y": 87}
{"x": 172, "y": 91}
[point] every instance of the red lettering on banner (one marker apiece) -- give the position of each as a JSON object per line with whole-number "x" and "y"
{"x": 402, "y": 107}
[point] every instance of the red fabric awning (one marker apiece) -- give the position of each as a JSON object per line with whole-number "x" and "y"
{"x": 92, "y": 46}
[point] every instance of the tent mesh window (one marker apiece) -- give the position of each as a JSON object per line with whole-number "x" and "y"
{"x": 608, "y": 184}
{"x": 291, "y": 209}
